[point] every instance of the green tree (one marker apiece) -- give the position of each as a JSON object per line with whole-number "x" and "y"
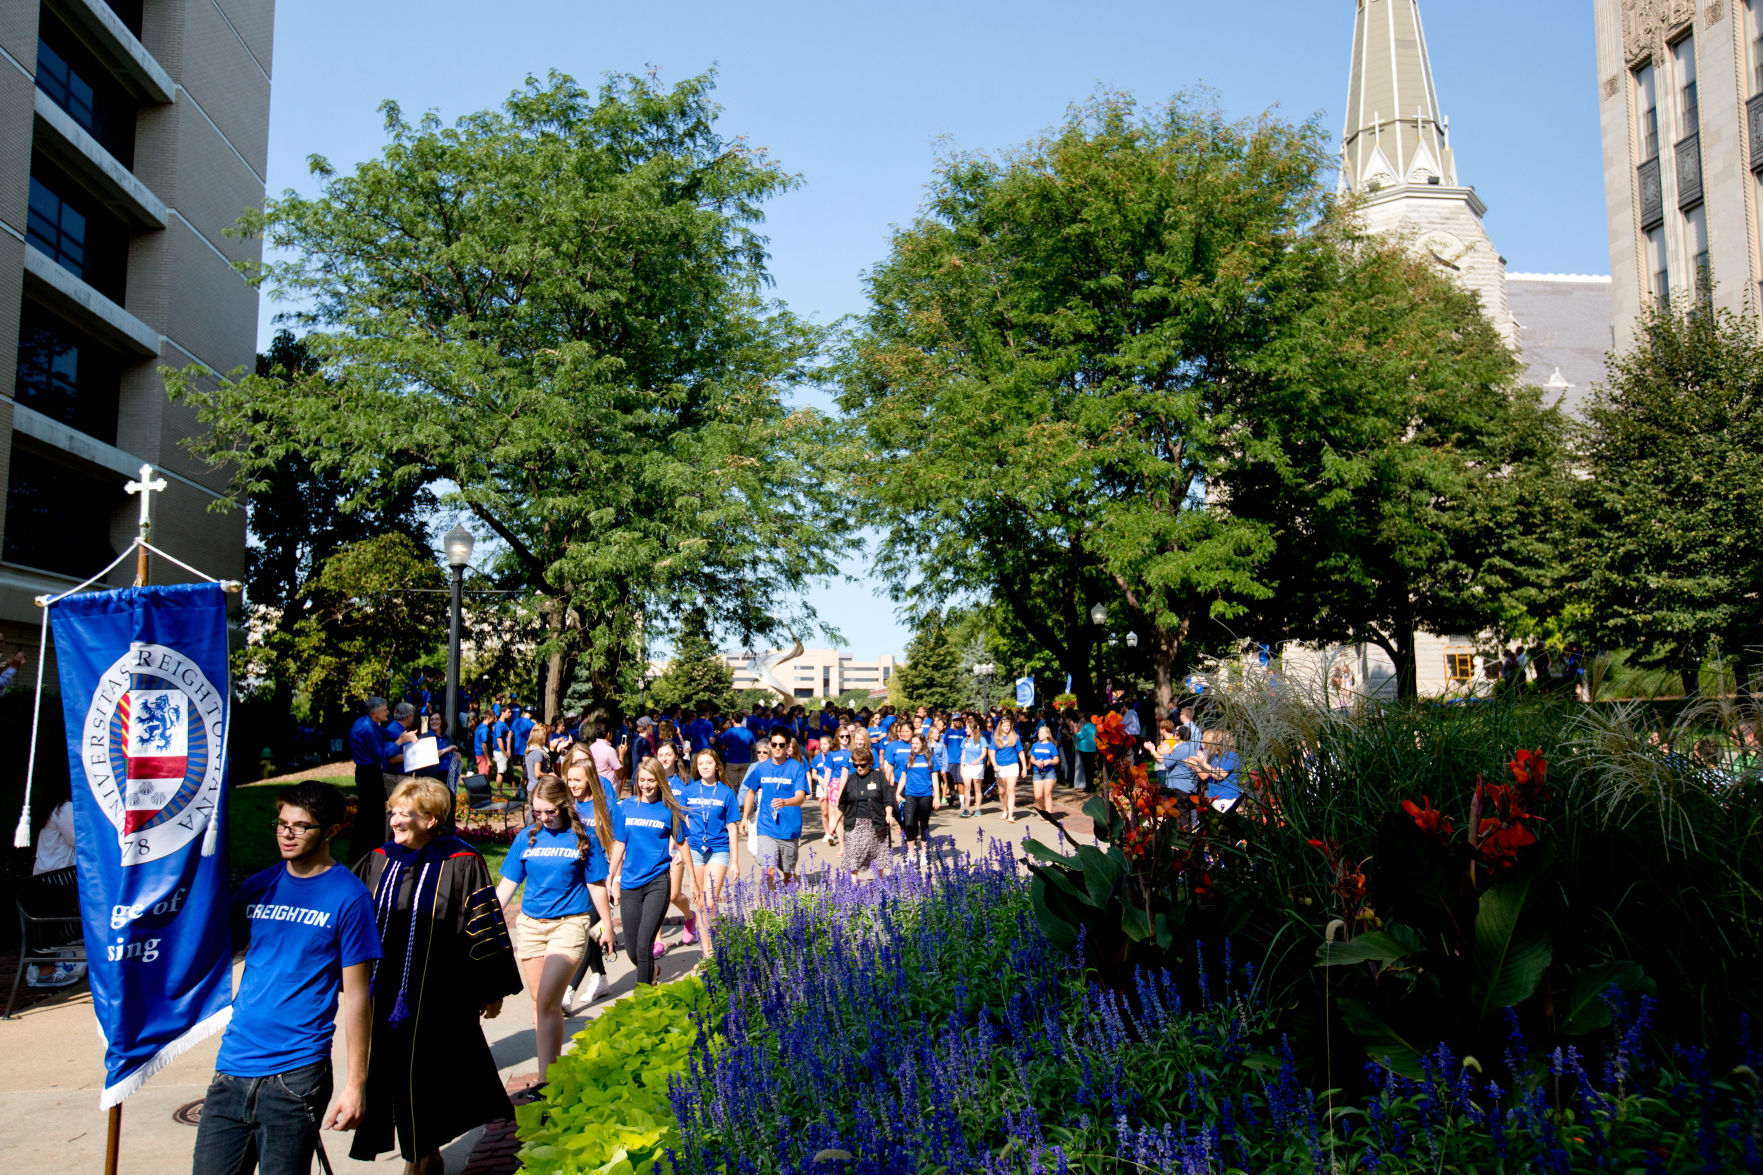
{"x": 375, "y": 608}
{"x": 1415, "y": 489}
{"x": 556, "y": 309}
{"x": 933, "y": 674}
{"x": 1672, "y": 450}
{"x": 696, "y": 676}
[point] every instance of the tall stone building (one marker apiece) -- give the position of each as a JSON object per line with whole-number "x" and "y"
{"x": 1681, "y": 105}
{"x": 132, "y": 134}
{"x": 1398, "y": 165}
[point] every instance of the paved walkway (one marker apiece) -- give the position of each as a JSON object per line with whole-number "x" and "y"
{"x": 51, "y": 1063}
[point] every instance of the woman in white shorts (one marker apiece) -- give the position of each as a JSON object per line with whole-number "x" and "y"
{"x": 976, "y": 748}
{"x": 1007, "y": 755}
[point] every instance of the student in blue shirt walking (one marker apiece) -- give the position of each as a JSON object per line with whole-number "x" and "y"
{"x": 976, "y": 748}
{"x": 652, "y": 826}
{"x": 551, "y": 857}
{"x": 1044, "y": 756}
{"x": 1007, "y": 766}
{"x": 916, "y": 792}
{"x": 598, "y": 812}
{"x": 668, "y": 756}
{"x": 775, "y": 791}
{"x": 308, "y": 929}
{"x": 713, "y": 819}
{"x": 835, "y": 769}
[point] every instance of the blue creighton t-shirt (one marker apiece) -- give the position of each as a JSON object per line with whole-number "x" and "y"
{"x": 302, "y": 932}
{"x": 777, "y": 781}
{"x": 711, "y": 808}
{"x": 645, "y": 831}
{"x": 553, "y": 869}
{"x": 1044, "y": 755}
{"x": 914, "y": 776}
{"x": 594, "y": 872}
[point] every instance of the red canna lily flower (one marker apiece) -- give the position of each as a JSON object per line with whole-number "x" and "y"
{"x": 1428, "y": 819}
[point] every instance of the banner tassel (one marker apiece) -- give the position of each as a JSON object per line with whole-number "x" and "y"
{"x": 21, "y": 837}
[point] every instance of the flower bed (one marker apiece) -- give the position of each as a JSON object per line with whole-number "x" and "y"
{"x": 924, "y": 1025}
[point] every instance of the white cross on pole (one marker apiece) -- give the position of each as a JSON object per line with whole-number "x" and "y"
{"x": 147, "y": 486}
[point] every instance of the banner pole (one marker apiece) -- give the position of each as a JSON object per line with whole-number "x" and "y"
{"x": 114, "y": 1142}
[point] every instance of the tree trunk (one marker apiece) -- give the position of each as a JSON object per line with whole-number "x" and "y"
{"x": 1691, "y": 677}
{"x": 1400, "y": 648}
{"x": 553, "y": 612}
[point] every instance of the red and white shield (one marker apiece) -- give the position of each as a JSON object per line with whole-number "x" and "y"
{"x": 156, "y": 742}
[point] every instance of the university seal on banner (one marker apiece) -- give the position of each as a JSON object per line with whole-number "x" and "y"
{"x": 152, "y": 750}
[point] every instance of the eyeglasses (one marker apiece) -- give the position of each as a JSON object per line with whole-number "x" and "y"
{"x": 283, "y": 828}
{"x": 777, "y": 745}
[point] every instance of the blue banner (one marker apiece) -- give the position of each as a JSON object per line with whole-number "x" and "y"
{"x": 1025, "y": 691}
{"x": 145, "y": 696}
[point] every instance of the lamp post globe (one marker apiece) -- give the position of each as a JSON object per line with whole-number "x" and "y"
{"x": 1132, "y": 640}
{"x": 458, "y": 543}
{"x": 1098, "y": 614}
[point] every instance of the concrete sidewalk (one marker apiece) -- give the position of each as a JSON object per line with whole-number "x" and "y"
{"x": 51, "y": 1061}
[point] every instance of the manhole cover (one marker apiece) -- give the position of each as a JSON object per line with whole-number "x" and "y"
{"x": 189, "y": 1115}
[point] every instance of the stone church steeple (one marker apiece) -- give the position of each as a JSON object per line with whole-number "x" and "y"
{"x": 1396, "y": 157}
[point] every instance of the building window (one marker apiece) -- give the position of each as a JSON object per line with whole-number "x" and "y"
{"x": 67, "y": 375}
{"x": 57, "y": 518}
{"x": 77, "y": 233}
{"x": 1683, "y": 60}
{"x": 1646, "y": 86}
{"x": 75, "y": 81}
{"x": 1460, "y": 666}
{"x": 1754, "y": 37}
{"x": 1658, "y": 268}
{"x": 1696, "y": 235}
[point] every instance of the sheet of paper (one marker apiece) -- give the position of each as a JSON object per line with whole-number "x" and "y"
{"x": 424, "y": 752}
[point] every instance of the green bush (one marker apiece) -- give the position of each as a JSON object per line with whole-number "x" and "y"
{"x": 605, "y": 1110}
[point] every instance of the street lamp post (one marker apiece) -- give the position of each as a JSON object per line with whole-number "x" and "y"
{"x": 458, "y": 543}
{"x": 984, "y": 672}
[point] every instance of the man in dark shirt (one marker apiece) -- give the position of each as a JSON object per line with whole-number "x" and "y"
{"x": 372, "y": 747}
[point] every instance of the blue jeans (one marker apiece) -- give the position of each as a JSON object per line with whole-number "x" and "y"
{"x": 270, "y": 1123}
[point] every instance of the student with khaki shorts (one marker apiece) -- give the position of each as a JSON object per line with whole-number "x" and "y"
{"x": 552, "y": 856}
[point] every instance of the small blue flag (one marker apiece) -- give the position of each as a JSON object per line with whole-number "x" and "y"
{"x": 145, "y": 697}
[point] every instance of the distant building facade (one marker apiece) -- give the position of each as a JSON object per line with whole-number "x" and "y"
{"x": 1680, "y": 88}
{"x": 132, "y": 135}
{"x": 817, "y": 673}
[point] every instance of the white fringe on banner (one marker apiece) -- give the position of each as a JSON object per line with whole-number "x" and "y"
{"x": 113, "y": 1094}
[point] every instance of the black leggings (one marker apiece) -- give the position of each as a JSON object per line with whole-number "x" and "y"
{"x": 915, "y": 818}
{"x": 593, "y": 959}
{"x": 643, "y": 911}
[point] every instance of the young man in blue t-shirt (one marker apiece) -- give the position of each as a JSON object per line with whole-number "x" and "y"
{"x": 774, "y": 791}
{"x": 308, "y": 930}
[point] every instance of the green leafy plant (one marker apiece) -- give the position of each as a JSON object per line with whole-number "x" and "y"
{"x": 605, "y": 1109}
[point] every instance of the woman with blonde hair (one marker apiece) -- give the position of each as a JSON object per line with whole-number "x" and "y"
{"x": 649, "y": 831}
{"x": 448, "y": 961}
{"x": 668, "y": 756}
{"x": 552, "y": 857}
{"x": 1216, "y": 766}
{"x": 597, "y": 811}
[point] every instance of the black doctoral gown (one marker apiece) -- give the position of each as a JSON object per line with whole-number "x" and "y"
{"x": 430, "y": 1076}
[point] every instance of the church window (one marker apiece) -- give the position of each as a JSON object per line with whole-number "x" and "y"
{"x": 1460, "y": 666}
{"x": 1646, "y": 88}
{"x": 1683, "y": 60}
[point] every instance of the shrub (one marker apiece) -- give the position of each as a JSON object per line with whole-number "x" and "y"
{"x": 605, "y": 1107}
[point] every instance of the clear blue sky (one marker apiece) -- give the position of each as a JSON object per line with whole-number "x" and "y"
{"x": 860, "y": 99}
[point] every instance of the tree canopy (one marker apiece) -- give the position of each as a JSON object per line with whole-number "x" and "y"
{"x": 556, "y": 312}
{"x": 1148, "y": 361}
{"x": 1672, "y": 450}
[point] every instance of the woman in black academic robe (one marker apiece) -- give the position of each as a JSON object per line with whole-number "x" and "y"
{"x": 448, "y": 960}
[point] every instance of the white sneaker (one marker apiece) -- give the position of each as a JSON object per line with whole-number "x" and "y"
{"x": 591, "y": 991}
{"x": 569, "y": 1001}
